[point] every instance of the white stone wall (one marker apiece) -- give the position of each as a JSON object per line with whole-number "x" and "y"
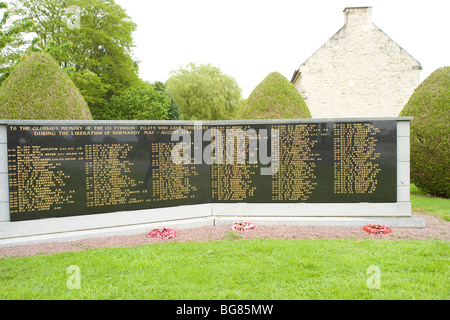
{"x": 359, "y": 72}
{"x": 4, "y": 190}
{"x": 403, "y": 163}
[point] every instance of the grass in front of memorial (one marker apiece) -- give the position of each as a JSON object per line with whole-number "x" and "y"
{"x": 247, "y": 269}
{"x": 423, "y": 202}
{"x": 244, "y": 269}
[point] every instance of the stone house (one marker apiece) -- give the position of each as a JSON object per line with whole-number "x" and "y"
{"x": 359, "y": 72}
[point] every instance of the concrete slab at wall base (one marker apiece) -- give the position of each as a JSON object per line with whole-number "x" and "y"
{"x": 105, "y": 232}
{"x": 394, "y": 222}
{"x": 99, "y": 222}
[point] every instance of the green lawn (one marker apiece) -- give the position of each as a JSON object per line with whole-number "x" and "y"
{"x": 243, "y": 269}
{"x": 422, "y": 202}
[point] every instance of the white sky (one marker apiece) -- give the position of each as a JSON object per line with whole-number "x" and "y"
{"x": 248, "y": 39}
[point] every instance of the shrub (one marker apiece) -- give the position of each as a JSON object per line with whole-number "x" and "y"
{"x": 275, "y": 98}
{"x": 139, "y": 104}
{"x": 39, "y": 89}
{"x": 430, "y": 133}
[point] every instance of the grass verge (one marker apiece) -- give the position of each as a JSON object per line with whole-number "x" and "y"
{"x": 244, "y": 269}
{"x": 423, "y": 202}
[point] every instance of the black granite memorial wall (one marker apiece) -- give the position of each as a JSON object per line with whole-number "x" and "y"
{"x": 68, "y": 170}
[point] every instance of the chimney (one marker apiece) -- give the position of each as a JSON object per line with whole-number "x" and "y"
{"x": 358, "y": 16}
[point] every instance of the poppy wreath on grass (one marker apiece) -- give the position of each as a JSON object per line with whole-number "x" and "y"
{"x": 377, "y": 229}
{"x": 243, "y": 226}
{"x": 163, "y": 233}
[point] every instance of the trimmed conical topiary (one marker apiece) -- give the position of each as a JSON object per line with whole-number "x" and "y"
{"x": 430, "y": 133}
{"x": 39, "y": 89}
{"x": 275, "y": 98}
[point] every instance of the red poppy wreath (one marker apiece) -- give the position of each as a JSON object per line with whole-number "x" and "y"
{"x": 377, "y": 229}
{"x": 243, "y": 226}
{"x": 163, "y": 233}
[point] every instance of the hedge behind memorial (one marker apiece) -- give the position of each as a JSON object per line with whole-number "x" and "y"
{"x": 430, "y": 133}
{"x": 39, "y": 89}
{"x": 275, "y": 98}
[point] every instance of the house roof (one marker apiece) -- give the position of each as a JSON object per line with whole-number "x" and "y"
{"x": 347, "y": 11}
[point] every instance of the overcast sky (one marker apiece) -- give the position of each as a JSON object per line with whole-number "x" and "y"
{"x": 248, "y": 39}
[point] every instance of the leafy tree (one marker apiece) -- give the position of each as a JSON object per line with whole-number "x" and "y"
{"x": 430, "y": 133}
{"x": 91, "y": 87}
{"x": 274, "y": 98}
{"x": 39, "y": 89}
{"x": 139, "y": 104}
{"x": 52, "y": 49}
{"x": 100, "y": 45}
{"x": 174, "y": 110}
{"x": 10, "y": 40}
{"x": 203, "y": 92}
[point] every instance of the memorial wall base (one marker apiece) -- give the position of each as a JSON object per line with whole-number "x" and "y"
{"x": 129, "y": 223}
